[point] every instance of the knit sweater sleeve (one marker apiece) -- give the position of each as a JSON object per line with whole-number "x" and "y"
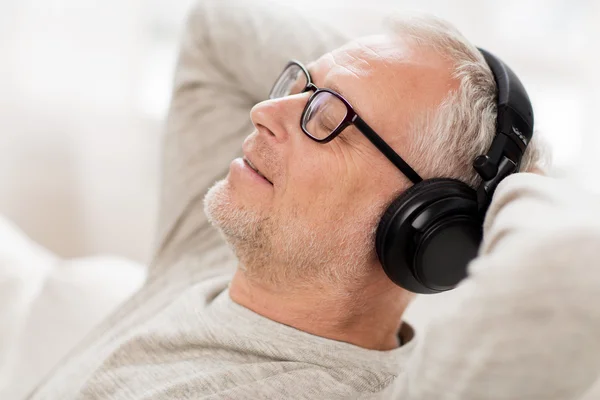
{"x": 526, "y": 323}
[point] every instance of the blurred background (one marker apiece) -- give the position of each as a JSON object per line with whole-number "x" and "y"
{"x": 85, "y": 85}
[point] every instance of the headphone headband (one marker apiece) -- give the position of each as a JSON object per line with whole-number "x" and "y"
{"x": 513, "y": 100}
{"x": 514, "y": 130}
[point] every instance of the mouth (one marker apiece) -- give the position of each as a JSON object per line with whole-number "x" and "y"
{"x": 249, "y": 163}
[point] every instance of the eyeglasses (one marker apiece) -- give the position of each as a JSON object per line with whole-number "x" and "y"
{"x": 327, "y": 114}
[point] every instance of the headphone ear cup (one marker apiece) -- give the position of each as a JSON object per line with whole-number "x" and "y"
{"x": 392, "y": 209}
{"x": 427, "y": 235}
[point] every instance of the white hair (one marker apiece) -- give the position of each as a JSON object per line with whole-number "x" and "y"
{"x": 447, "y": 140}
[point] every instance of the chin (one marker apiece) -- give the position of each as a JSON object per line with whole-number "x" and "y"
{"x": 235, "y": 217}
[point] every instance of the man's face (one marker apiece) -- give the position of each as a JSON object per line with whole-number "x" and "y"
{"x": 316, "y": 212}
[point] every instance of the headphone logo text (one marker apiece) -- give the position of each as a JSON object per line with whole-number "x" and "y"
{"x": 520, "y": 135}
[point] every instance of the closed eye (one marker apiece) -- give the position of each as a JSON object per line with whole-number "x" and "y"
{"x": 326, "y": 125}
{"x": 326, "y": 120}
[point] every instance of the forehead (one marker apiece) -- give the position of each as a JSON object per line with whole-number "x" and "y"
{"x": 386, "y": 79}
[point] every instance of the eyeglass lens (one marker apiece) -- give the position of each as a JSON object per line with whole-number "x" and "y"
{"x": 324, "y": 113}
{"x": 292, "y": 81}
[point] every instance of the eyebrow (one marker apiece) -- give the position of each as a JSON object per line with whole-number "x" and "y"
{"x": 332, "y": 86}
{"x": 337, "y": 89}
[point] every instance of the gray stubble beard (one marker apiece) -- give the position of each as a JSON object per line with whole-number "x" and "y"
{"x": 286, "y": 251}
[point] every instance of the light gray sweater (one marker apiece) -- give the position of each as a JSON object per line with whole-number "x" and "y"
{"x": 526, "y": 323}
{"x": 526, "y": 326}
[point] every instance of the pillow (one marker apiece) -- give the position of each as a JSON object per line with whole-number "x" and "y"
{"x": 47, "y": 305}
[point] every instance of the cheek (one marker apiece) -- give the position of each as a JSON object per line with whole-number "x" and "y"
{"x": 320, "y": 194}
{"x": 309, "y": 173}
{"x": 324, "y": 184}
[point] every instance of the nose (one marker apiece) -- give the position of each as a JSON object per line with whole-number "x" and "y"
{"x": 280, "y": 117}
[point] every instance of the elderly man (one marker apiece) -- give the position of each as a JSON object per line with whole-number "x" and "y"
{"x": 309, "y": 312}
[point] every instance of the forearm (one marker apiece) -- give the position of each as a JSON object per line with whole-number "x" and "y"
{"x": 526, "y": 324}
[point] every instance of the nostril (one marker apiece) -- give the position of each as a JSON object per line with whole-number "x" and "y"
{"x": 260, "y": 127}
{"x": 270, "y": 132}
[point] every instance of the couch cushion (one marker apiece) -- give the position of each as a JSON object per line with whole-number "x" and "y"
{"x": 47, "y": 305}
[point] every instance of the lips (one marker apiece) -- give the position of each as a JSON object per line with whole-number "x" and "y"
{"x": 253, "y": 167}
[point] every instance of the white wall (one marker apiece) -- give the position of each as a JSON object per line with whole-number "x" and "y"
{"x": 84, "y": 85}
{"x": 78, "y": 162}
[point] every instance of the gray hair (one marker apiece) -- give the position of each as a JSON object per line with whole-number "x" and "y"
{"x": 447, "y": 140}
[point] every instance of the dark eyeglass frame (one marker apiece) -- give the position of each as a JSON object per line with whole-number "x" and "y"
{"x": 351, "y": 118}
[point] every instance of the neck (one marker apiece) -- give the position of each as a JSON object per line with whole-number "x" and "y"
{"x": 368, "y": 314}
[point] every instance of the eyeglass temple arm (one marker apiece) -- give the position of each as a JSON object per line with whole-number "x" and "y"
{"x": 386, "y": 150}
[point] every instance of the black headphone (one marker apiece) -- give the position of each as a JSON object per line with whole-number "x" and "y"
{"x": 430, "y": 233}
